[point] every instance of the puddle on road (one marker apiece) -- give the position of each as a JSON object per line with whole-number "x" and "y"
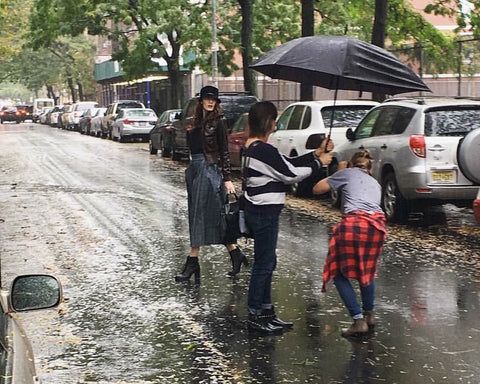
{"x": 136, "y": 325}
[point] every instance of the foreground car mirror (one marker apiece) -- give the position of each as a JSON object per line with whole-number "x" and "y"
{"x": 350, "y": 135}
{"x": 30, "y": 292}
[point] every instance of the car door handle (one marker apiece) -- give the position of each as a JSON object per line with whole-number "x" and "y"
{"x": 384, "y": 146}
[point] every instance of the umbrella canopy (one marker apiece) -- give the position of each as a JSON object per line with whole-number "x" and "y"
{"x": 339, "y": 62}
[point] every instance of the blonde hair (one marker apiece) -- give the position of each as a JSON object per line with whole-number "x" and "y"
{"x": 362, "y": 159}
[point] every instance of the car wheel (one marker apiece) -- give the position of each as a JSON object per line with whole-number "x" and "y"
{"x": 393, "y": 203}
{"x": 166, "y": 151}
{"x": 468, "y": 156}
{"x": 175, "y": 154}
{"x": 153, "y": 150}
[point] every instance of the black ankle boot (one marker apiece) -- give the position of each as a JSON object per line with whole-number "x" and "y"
{"x": 275, "y": 320}
{"x": 259, "y": 323}
{"x": 238, "y": 258}
{"x": 191, "y": 267}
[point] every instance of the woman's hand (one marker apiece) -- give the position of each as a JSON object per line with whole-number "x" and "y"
{"x": 324, "y": 151}
{"x": 229, "y": 187}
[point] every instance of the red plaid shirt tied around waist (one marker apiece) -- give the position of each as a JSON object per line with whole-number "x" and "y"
{"x": 355, "y": 246}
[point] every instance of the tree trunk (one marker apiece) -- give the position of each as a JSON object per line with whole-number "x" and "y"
{"x": 80, "y": 91}
{"x": 173, "y": 67}
{"x": 306, "y": 90}
{"x": 249, "y": 80}
{"x": 72, "y": 89}
{"x": 378, "y": 33}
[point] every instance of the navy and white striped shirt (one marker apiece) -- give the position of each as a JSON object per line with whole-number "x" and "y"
{"x": 268, "y": 176}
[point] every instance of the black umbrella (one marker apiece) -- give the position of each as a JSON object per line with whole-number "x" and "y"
{"x": 339, "y": 62}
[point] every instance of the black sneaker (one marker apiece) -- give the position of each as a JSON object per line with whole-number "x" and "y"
{"x": 275, "y": 320}
{"x": 259, "y": 323}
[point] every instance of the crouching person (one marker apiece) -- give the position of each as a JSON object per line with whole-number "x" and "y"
{"x": 357, "y": 241}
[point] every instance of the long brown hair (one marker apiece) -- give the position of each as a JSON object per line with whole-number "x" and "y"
{"x": 199, "y": 119}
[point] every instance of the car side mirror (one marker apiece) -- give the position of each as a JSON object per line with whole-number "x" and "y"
{"x": 30, "y": 292}
{"x": 350, "y": 135}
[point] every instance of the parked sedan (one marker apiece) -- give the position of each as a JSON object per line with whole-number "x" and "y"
{"x": 161, "y": 134}
{"x": 27, "y": 292}
{"x": 96, "y": 122}
{"x": 86, "y": 119}
{"x": 133, "y": 123}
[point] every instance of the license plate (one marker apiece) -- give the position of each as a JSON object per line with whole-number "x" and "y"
{"x": 140, "y": 123}
{"x": 447, "y": 177}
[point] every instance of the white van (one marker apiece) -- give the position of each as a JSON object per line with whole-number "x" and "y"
{"x": 39, "y": 104}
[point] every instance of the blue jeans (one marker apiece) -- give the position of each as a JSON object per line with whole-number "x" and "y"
{"x": 347, "y": 293}
{"x": 265, "y": 235}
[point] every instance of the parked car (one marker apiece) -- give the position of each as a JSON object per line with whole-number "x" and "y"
{"x": 86, "y": 119}
{"x": 425, "y": 152}
{"x": 63, "y": 119}
{"x": 27, "y": 293}
{"x": 160, "y": 135}
{"x": 39, "y": 104}
{"x": 54, "y": 115}
{"x": 237, "y": 138}
{"x": 10, "y": 113}
{"x": 303, "y": 125}
{"x": 299, "y": 121}
{"x": 96, "y": 122}
{"x": 111, "y": 114}
{"x": 132, "y": 123}
{"x": 233, "y": 105}
{"x": 76, "y": 113}
{"x": 476, "y": 207}
{"x": 43, "y": 116}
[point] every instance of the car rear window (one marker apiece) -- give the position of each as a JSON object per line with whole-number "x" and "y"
{"x": 139, "y": 113}
{"x": 344, "y": 116}
{"x": 129, "y": 105}
{"x": 233, "y": 107}
{"x": 456, "y": 121}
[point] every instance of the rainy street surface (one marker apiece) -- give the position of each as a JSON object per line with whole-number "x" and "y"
{"x": 110, "y": 220}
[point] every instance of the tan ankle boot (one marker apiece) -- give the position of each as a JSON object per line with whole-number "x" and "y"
{"x": 369, "y": 316}
{"x": 358, "y": 328}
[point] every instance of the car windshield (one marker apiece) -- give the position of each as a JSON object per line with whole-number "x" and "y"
{"x": 344, "y": 116}
{"x": 452, "y": 122}
{"x": 140, "y": 113}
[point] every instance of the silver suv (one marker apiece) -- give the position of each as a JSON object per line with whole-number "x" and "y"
{"x": 426, "y": 151}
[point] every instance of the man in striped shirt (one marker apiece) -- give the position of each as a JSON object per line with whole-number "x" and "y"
{"x": 268, "y": 175}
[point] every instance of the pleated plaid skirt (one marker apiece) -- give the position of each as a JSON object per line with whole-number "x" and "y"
{"x": 206, "y": 199}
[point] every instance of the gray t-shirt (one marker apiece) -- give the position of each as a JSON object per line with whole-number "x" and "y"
{"x": 361, "y": 192}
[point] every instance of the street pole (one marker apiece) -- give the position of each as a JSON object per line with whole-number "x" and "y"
{"x": 214, "y": 45}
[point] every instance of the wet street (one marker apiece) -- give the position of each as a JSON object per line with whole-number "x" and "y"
{"x": 110, "y": 220}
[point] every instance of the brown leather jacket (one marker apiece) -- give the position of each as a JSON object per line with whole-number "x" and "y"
{"x": 215, "y": 145}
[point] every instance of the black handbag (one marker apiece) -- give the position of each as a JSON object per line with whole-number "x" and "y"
{"x": 235, "y": 219}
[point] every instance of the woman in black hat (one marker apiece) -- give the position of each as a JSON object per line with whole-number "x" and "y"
{"x": 208, "y": 183}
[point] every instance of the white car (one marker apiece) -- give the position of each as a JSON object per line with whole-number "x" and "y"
{"x": 306, "y": 122}
{"x": 96, "y": 122}
{"x": 134, "y": 123}
{"x": 302, "y": 126}
{"x": 77, "y": 111}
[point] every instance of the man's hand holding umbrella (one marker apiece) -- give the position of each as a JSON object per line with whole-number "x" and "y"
{"x": 324, "y": 151}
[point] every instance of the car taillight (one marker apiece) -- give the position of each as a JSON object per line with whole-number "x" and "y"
{"x": 127, "y": 121}
{"x": 417, "y": 145}
{"x": 18, "y": 113}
